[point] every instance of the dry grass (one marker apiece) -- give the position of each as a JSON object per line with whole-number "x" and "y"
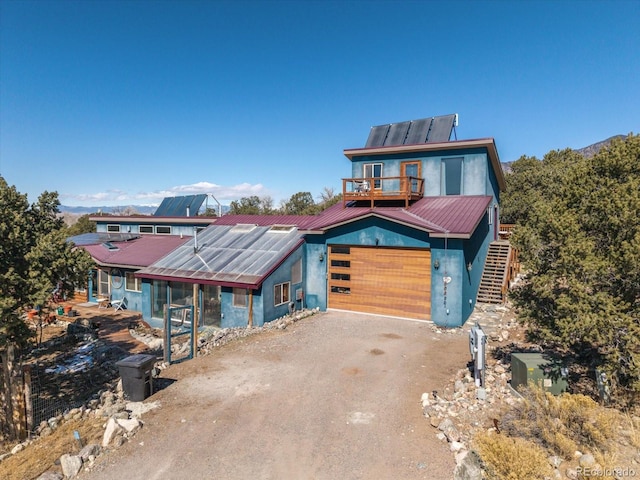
{"x": 42, "y": 454}
{"x": 563, "y": 424}
{"x": 507, "y": 458}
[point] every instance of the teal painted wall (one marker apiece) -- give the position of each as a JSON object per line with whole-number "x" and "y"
{"x": 282, "y": 275}
{"x": 446, "y": 298}
{"x": 315, "y": 272}
{"x": 477, "y": 177}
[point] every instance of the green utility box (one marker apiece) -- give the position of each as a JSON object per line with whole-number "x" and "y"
{"x": 539, "y": 368}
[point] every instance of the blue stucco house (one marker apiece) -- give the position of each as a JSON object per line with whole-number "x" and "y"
{"x": 409, "y": 239}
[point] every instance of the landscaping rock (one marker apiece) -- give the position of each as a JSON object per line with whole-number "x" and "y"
{"x": 71, "y": 465}
{"x": 468, "y": 467}
{"x": 92, "y": 450}
{"x": 51, "y": 476}
{"x": 110, "y": 431}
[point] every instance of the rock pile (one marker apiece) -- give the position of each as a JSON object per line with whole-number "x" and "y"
{"x": 122, "y": 421}
{"x": 464, "y": 408}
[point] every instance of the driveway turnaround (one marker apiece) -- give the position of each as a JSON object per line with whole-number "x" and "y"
{"x": 334, "y": 396}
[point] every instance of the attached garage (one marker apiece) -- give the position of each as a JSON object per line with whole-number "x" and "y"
{"x": 380, "y": 280}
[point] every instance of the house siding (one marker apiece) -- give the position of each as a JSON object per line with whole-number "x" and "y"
{"x": 475, "y": 169}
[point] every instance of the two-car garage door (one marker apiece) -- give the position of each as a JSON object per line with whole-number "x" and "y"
{"x": 386, "y": 281}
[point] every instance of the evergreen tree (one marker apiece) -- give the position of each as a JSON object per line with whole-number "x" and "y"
{"x": 578, "y": 228}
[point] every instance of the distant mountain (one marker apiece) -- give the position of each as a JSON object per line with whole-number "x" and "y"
{"x": 591, "y": 150}
{"x": 122, "y": 209}
{"x": 139, "y": 209}
{"x": 588, "y": 152}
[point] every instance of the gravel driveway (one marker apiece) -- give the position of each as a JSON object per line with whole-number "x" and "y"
{"x": 334, "y": 396}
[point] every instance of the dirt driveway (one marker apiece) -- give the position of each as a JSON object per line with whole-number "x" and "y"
{"x": 334, "y": 396}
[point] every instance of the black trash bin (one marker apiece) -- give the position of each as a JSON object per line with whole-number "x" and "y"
{"x": 137, "y": 381}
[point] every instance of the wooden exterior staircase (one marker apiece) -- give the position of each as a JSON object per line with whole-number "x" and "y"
{"x": 500, "y": 267}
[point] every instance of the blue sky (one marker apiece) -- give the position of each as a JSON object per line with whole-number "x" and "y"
{"x": 125, "y": 102}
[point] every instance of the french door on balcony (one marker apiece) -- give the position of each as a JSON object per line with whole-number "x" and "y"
{"x": 411, "y": 169}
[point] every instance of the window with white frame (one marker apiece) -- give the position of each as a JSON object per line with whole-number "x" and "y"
{"x": 132, "y": 283}
{"x": 373, "y": 170}
{"x": 239, "y": 297}
{"x": 103, "y": 283}
{"x": 281, "y": 293}
{"x": 146, "y": 228}
{"x": 113, "y": 228}
{"x": 296, "y": 272}
{"x": 163, "y": 229}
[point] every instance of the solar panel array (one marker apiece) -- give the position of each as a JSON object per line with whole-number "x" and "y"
{"x": 425, "y": 130}
{"x": 177, "y": 206}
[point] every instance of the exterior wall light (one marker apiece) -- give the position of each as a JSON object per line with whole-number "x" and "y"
{"x": 436, "y": 264}
{"x": 469, "y": 266}
{"x": 321, "y": 257}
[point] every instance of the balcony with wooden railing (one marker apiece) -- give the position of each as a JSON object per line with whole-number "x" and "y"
{"x": 376, "y": 190}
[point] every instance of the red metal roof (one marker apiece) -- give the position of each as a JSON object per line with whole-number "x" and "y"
{"x": 450, "y": 216}
{"x": 140, "y": 252}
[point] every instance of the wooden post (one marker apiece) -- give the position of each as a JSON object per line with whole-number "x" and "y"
{"x": 250, "y": 324}
{"x": 26, "y": 372}
{"x": 167, "y": 332}
{"x": 194, "y": 319}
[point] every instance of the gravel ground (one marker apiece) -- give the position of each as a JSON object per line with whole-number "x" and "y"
{"x": 334, "y": 396}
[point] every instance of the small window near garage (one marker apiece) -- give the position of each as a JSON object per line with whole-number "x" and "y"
{"x": 340, "y": 249}
{"x": 341, "y": 290}
{"x": 113, "y": 228}
{"x": 281, "y": 293}
{"x": 239, "y": 297}
{"x": 132, "y": 283}
{"x": 341, "y": 263}
{"x": 341, "y": 276}
{"x": 146, "y": 228}
{"x": 163, "y": 230}
{"x": 296, "y": 272}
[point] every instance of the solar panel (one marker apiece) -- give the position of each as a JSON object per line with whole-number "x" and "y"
{"x": 377, "y": 135}
{"x": 441, "y": 128}
{"x": 418, "y": 131}
{"x": 397, "y": 133}
{"x": 177, "y": 206}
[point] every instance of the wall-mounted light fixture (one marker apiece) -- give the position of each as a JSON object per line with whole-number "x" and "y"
{"x": 321, "y": 257}
{"x": 436, "y": 264}
{"x": 469, "y": 266}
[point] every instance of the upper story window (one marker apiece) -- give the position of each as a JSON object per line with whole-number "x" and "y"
{"x": 146, "y": 228}
{"x": 452, "y": 176}
{"x": 113, "y": 228}
{"x": 373, "y": 170}
{"x": 163, "y": 229}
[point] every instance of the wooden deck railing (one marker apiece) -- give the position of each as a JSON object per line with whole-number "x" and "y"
{"x": 376, "y": 189}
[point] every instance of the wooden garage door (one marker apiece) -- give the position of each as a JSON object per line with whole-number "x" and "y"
{"x": 386, "y": 281}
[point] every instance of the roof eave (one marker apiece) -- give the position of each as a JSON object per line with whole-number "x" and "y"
{"x": 199, "y": 281}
